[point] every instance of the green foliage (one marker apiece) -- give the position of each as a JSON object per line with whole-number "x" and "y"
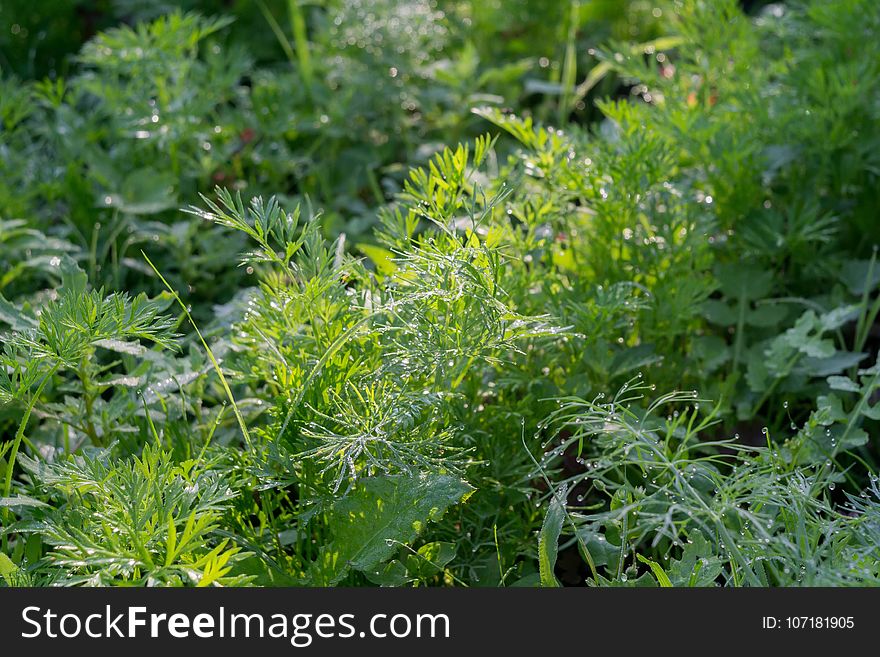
{"x": 385, "y": 351}
{"x": 146, "y": 521}
{"x": 367, "y": 526}
{"x": 549, "y": 539}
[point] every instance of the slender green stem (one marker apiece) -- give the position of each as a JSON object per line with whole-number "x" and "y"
{"x": 19, "y": 434}
{"x": 16, "y": 444}
{"x": 301, "y": 42}
{"x": 866, "y": 318}
{"x": 569, "y": 65}
{"x": 740, "y": 329}
{"x": 214, "y": 363}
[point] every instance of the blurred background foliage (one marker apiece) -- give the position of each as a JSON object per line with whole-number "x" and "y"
{"x": 111, "y": 123}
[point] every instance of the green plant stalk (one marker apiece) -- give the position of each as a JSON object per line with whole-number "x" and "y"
{"x": 16, "y": 443}
{"x": 582, "y": 545}
{"x": 301, "y": 43}
{"x": 210, "y": 353}
{"x": 740, "y": 329}
{"x": 868, "y": 314}
{"x": 569, "y": 65}
{"x": 623, "y": 540}
{"x": 278, "y": 32}
{"x": 89, "y": 402}
{"x": 719, "y": 524}
{"x": 374, "y": 186}
{"x": 851, "y": 421}
{"x": 19, "y": 434}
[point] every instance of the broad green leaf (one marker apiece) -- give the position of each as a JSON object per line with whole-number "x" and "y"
{"x": 859, "y": 275}
{"x": 657, "y": 569}
{"x": 602, "y": 551}
{"x": 838, "y": 362}
{"x": 21, "y": 500}
{"x": 548, "y": 539}
{"x": 829, "y": 409}
{"x": 767, "y": 315}
{"x": 15, "y": 317}
{"x": 718, "y": 312}
{"x": 742, "y": 282}
{"x": 843, "y": 383}
{"x": 838, "y": 317}
{"x": 382, "y": 258}
{"x": 712, "y": 351}
{"x": 7, "y": 568}
{"x": 392, "y": 573}
{"x": 698, "y": 566}
{"x": 633, "y": 358}
{"x": 122, "y": 346}
{"x": 853, "y": 438}
{"x": 145, "y": 191}
{"x": 532, "y": 580}
{"x": 430, "y": 559}
{"x": 368, "y": 525}
{"x": 871, "y": 412}
{"x": 645, "y": 580}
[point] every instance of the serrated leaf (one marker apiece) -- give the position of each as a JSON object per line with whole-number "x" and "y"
{"x": 698, "y": 565}
{"x": 871, "y": 412}
{"x": 21, "y": 500}
{"x": 767, "y": 315}
{"x": 843, "y": 383}
{"x": 838, "y": 317}
{"x": 633, "y": 358}
{"x": 859, "y": 275}
{"x": 712, "y": 351}
{"x": 431, "y": 558}
{"x": 838, "y": 362}
{"x": 122, "y": 347}
{"x": 854, "y": 438}
{"x": 15, "y": 317}
{"x": 369, "y": 524}
{"x": 741, "y": 282}
{"x": 829, "y": 409}
{"x": 805, "y": 336}
{"x": 718, "y": 312}
{"x": 392, "y": 573}
{"x": 145, "y": 191}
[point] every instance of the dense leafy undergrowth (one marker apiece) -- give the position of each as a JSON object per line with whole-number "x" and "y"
{"x": 625, "y": 333}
